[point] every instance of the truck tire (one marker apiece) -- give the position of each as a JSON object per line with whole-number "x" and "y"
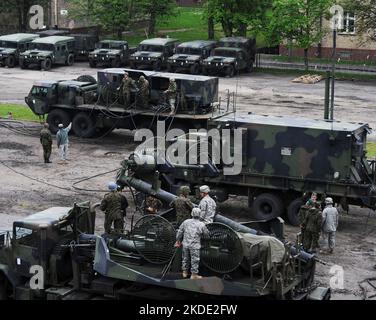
{"x": 92, "y": 64}
{"x": 170, "y": 68}
{"x": 57, "y": 116}
{"x": 250, "y": 68}
{"x": 4, "y": 287}
{"x": 205, "y": 71}
{"x": 157, "y": 65}
{"x": 230, "y": 72}
{"x": 23, "y": 64}
{"x": 46, "y": 64}
{"x": 10, "y": 62}
{"x": 87, "y": 78}
{"x": 70, "y": 60}
{"x": 115, "y": 63}
{"x": 267, "y": 206}
{"x": 293, "y": 210}
{"x": 194, "y": 69}
{"x": 83, "y": 125}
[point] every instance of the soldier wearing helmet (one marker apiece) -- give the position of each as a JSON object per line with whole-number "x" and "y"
{"x": 183, "y": 205}
{"x": 171, "y": 94}
{"x": 330, "y": 223}
{"x": 189, "y": 236}
{"x": 127, "y": 84}
{"x": 114, "y": 205}
{"x": 143, "y": 93}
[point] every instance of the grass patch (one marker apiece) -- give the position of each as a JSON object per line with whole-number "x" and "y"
{"x": 19, "y": 112}
{"x": 184, "y": 18}
{"x": 371, "y": 149}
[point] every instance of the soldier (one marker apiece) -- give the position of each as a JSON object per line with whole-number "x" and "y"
{"x": 312, "y": 200}
{"x": 152, "y": 205}
{"x": 189, "y": 235}
{"x": 302, "y": 216}
{"x": 144, "y": 92}
{"x": 312, "y": 225}
{"x": 46, "y": 141}
{"x": 62, "y": 140}
{"x": 183, "y": 206}
{"x": 114, "y": 205}
{"x": 207, "y": 205}
{"x": 127, "y": 84}
{"x": 330, "y": 223}
{"x": 171, "y": 93}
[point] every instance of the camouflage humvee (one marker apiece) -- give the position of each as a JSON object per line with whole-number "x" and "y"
{"x": 12, "y": 45}
{"x": 110, "y": 53}
{"x": 153, "y": 53}
{"x": 189, "y": 56}
{"x": 45, "y": 52}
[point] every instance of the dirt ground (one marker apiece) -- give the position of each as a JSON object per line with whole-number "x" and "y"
{"x": 21, "y": 161}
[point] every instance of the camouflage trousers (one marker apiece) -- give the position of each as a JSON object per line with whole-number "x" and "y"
{"x": 311, "y": 240}
{"x": 118, "y": 225}
{"x": 331, "y": 239}
{"x": 191, "y": 260}
{"x": 47, "y": 152}
{"x": 126, "y": 96}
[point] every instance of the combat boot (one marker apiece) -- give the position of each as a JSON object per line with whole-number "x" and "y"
{"x": 185, "y": 274}
{"x": 195, "y": 276}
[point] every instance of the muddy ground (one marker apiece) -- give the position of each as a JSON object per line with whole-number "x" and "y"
{"x": 28, "y": 185}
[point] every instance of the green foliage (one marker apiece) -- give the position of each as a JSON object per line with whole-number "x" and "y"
{"x": 371, "y": 149}
{"x": 19, "y": 112}
{"x": 365, "y": 15}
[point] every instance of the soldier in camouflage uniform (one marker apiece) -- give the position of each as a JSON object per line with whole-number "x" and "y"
{"x": 127, "y": 84}
{"x": 207, "y": 205}
{"x": 46, "y": 141}
{"x": 143, "y": 93}
{"x": 312, "y": 223}
{"x": 183, "y": 205}
{"x": 171, "y": 94}
{"x": 114, "y": 204}
{"x": 152, "y": 205}
{"x": 189, "y": 235}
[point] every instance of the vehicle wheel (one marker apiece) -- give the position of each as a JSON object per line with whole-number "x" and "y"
{"x": 170, "y": 68}
{"x": 10, "y": 62}
{"x": 157, "y": 65}
{"x": 194, "y": 69}
{"x": 23, "y": 65}
{"x": 4, "y": 287}
{"x": 205, "y": 71}
{"x": 250, "y": 68}
{"x": 92, "y": 64}
{"x": 46, "y": 64}
{"x": 293, "y": 211}
{"x": 267, "y": 206}
{"x": 230, "y": 71}
{"x": 115, "y": 63}
{"x": 83, "y": 125}
{"x": 57, "y": 116}
{"x": 87, "y": 78}
{"x": 70, "y": 60}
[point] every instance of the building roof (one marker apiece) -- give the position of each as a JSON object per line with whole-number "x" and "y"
{"x": 158, "y": 41}
{"x": 46, "y": 218}
{"x": 303, "y": 123}
{"x": 53, "y": 39}
{"x": 19, "y": 37}
{"x": 198, "y": 44}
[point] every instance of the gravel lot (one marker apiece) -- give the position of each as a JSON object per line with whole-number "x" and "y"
{"x": 20, "y": 195}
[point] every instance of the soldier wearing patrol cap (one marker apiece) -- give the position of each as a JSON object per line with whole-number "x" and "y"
{"x": 143, "y": 93}
{"x": 171, "y": 94}
{"x": 127, "y": 84}
{"x": 207, "y": 205}
{"x": 330, "y": 223}
{"x": 183, "y": 206}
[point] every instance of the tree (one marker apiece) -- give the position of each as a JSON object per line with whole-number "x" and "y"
{"x": 236, "y": 16}
{"x": 297, "y": 22}
{"x": 154, "y": 10}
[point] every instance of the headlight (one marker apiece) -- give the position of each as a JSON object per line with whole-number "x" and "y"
{"x": 209, "y": 62}
{"x": 174, "y": 61}
{"x": 186, "y": 61}
{"x": 106, "y": 55}
{"x": 221, "y": 63}
{"x": 136, "y": 58}
{"x": 149, "y": 59}
{"x": 95, "y": 55}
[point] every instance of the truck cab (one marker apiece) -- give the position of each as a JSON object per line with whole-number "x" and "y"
{"x": 153, "y": 53}
{"x": 110, "y": 53}
{"x": 12, "y": 45}
{"x": 189, "y": 56}
{"x": 84, "y": 44}
{"x": 48, "y": 51}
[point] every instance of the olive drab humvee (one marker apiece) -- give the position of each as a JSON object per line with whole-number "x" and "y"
{"x": 84, "y": 44}
{"x": 153, "y": 53}
{"x": 189, "y": 56}
{"x": 12, "y": 45}
{"x": 48, "y": 51}
{"x": 111, "y": 53}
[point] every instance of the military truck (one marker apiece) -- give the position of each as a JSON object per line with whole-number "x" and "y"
{"x": 153, "y": 53}
{"x": 110, "y": 53}
{"x": 49, "y": 51}
{"x": 84, "y": 44}
{"x": 12, "y": 45}
{"x": 95, "y": 109}
{"x": 53, "y": 32}
{"x": 189, "y": 56}
{"x": 233, "y": 55}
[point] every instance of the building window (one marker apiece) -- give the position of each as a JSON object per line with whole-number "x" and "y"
{"x": 348, "y": 23}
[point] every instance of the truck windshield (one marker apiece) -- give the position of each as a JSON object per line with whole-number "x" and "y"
{"x": 107, "y": 45}
{"x": 225, "y": 53}
{"x": 8, "y": 44}
{"x": 39, "y": 91}
{"x": 232, "y": 44}
{"x": 42, "y": 46}
{"x": 194, "y": 51}
{"x": 151, "y": 48}
{"x": 26, "y": 236}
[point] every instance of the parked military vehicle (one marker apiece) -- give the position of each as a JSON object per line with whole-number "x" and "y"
{"x": 58, "y": 246}
{"x": 233, "y": 55}
{"x": 282, "y": 158}
{"x": 84, "y": 44}
{"x": 153, "y": 53}
{"x": 99, "y": 108}
{"x": 12, "y": 45}
{"x": 53, "y": 32}
{"x": 189, "y": 56}
{"x": 48, "y": 51}
{"x": 110, "y": 53}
